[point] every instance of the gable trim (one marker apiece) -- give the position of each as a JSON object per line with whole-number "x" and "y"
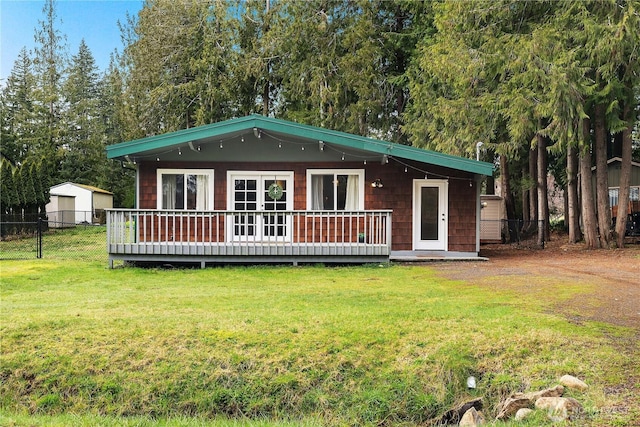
{"x": 341, "y": 139}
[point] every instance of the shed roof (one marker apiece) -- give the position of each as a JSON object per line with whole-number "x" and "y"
{"x": 84, "y": 186}
{"x": 304, "y": 132}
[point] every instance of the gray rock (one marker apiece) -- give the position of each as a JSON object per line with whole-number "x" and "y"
{"x": 453, "y": 416}
{"x": 559, "y": 408}
{"x": 556, "y": 391}
{"x": 525, "y": 400}
{"x": 471, "y": 418}
{"x": 510, "y": 406}
{"x": 523, "y": 413}
{"x": 573, "y": 382}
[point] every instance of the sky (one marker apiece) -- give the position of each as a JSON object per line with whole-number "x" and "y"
{"x": 95, "y": 21}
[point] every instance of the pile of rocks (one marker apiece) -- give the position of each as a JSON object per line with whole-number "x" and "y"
{"x": 521, "y": 405}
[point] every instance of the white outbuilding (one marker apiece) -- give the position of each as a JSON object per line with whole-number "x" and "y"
{"x": 90, "y": 202}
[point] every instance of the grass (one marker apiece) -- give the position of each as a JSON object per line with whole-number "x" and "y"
{"x": 262, "y": 346}
{"x": 80, "y": 242}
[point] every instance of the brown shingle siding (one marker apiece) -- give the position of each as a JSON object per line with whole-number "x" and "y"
{"x": 396, "y": 195}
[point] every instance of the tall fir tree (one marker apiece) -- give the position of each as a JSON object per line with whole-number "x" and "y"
{"x": 83, "y": 150}
{"x": 17, "y": 98}
{"x": 49, "y": 64}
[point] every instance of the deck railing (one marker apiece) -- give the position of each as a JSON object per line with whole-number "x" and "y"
{"x": 272, "y": 233}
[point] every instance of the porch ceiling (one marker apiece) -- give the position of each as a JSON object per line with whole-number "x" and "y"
{"x": 259, "y": 138}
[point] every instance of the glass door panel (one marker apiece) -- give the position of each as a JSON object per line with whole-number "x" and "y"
{"x": 260, "y": 196}
{"x": 245, "y": 198}
{"x": 430, "y": 222}
{"x": 275, "y": 199}
{"x": 429, "y": 213}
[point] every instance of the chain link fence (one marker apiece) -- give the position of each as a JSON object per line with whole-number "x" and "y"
{"x": 49, "y": 239}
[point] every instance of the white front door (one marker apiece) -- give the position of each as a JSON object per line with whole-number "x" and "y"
{"x": 259, "y": 196}
{"x": 430, "y": 215}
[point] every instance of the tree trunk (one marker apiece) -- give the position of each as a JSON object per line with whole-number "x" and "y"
{"x": 602, "y": 185}
{"x": 625, "y": 180}
{"x": 526, "y": 217}
{"x": 508, "y": 198}
{"x": 543, "y": 200}
{"x": 589, "y": 220}
{"x": 533, "y": 192}
{"x": 573, "y": 213}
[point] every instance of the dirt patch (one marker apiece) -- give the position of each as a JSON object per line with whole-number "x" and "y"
{"x": 612, "y": 293}
{"x": 613, "y": 277}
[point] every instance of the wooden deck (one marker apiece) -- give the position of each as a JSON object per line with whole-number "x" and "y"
{"x": 208, "y": 237}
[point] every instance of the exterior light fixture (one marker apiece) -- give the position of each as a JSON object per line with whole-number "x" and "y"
{"x": 377, "y": 183}
{"x": 321, "y": 145}
{"x": 257, "y": 133}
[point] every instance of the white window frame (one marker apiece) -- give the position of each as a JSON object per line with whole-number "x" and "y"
{"x": 335, "y": 173}
{"x": 168, "y": 171}
{"x": 259, "y": 175}
{"x": 259, "y": 213}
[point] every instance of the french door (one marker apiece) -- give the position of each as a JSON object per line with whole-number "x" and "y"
{"x": 258, "y": 200}
{"x": 430, "y": 215}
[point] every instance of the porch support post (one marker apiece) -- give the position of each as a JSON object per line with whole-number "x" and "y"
{"x": 389, "y": 233}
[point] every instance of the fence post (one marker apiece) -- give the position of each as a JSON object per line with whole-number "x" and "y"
{"x": 39, "y": 238}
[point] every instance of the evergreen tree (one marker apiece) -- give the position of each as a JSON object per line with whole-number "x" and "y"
{"x": 17, "y": 98}
{"x": 49, "y": 64}
{"x": 175, "y": 63}
{"x": 118, "y": 178}
{"x": 84, "y": 154}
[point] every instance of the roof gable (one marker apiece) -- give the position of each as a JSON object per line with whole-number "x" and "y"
{"x": 310, "y": 133}
{"x": 81, "y": 186}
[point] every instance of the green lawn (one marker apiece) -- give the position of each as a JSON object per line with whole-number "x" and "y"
{"x": 370, "y": 345}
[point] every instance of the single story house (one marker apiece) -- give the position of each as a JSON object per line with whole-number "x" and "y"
{"x": 258, "y": 189}
{"x": 613, "y": 178}
{"x": 90, "y": 202}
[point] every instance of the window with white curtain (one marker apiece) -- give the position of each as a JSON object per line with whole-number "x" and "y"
{"x": 189, "y": 189}
{"x": 614, "y": 194}
{"x": 335, "y": 189}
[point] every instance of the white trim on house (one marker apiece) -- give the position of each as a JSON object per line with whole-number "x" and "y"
{"x": 170, "y": 171}
{"x": 442, "y": 215}
{"x": 619, "y": 160}
{"x": 264, "y": 220}
{"x": 335, "y": 172}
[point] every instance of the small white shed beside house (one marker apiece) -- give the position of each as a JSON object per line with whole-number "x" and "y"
{"x": 61, "y": 211}
{"x": 90, "y": 201}
{"x": 492, "y": 214}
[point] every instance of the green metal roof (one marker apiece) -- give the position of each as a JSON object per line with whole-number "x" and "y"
{"x": 311, "y": 133}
